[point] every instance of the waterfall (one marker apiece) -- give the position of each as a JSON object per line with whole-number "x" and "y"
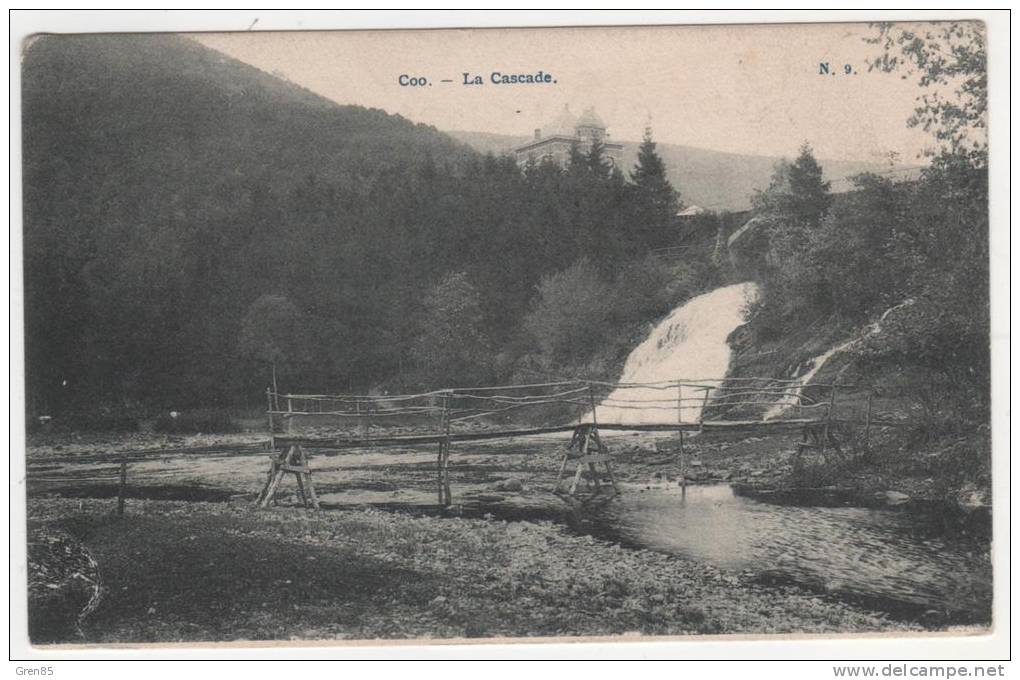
{"x": 815, "y": 365}
{"x": 690, "y": 344}
{"x": 795, "y": 388}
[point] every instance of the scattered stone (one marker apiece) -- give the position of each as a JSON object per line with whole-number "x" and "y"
{"x": 511, "y": 484}
{"x": 970, "y": 497}
{"x": 895, "y": 497}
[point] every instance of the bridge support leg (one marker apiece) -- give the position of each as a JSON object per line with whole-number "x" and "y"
{"x": 590, "y": 454}
{"x": 295, "y": 462}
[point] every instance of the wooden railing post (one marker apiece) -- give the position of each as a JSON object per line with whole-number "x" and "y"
{"x": 828, "y": 420}
{"x": 443, "y": 462}
{"x": 592, "y": 436}
{"x": 121, "y": 488}
{"x": 269, "y": 414}
{"x": 290, "y": 416}
{"x": 867, "y": 421}
{"x": 446, "y": 458}
{"x": 591, "y": 402}
{"x": 704, "y": 407}
{"x": 680, "y": 431}
{"x": 269, "y": 407}
{"x": 362, "y": 422}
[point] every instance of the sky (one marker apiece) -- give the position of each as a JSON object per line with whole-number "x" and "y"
{"x": 743, "y": 89}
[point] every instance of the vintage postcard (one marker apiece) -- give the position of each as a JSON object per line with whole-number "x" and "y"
{"x": 665, "y": 331}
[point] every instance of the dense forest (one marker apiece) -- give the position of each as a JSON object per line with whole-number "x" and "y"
{"x": 192, "y": 223}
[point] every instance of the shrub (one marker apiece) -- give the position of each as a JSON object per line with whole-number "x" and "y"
{"x": 568, "y": 318}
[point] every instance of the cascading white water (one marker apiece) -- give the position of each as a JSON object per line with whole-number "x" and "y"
{"x": 815, "y": 365}
{"x": 690, "y": 344}
{"x": 794, "y": 389}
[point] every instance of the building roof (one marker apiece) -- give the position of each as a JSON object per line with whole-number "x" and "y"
{"x": 562, "y": 125}
{"x": 591, "y": 119}
{"x": 691, "y": 211}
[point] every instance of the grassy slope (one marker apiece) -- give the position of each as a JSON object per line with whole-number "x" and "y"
{"x": 193, "y": 571}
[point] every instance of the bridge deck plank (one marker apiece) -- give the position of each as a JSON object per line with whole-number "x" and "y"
{"x": 481, "y": 435}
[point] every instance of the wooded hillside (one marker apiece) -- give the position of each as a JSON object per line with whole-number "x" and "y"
{"x": 190, "y": 220}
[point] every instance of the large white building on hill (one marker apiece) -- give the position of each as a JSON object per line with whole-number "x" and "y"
{"x": 554, "y": 141}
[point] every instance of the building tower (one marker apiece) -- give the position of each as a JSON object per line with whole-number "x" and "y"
{"x": 554, "y": 141}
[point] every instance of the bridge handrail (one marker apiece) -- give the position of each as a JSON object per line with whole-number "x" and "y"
{"x": 694, "y": 383}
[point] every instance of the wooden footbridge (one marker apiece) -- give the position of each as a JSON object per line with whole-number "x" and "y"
{"x": 303, "y": 422}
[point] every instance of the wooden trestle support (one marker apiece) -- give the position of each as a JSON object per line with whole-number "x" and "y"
{"x": 586, "y": 451}
{"x": 291, "y": 460}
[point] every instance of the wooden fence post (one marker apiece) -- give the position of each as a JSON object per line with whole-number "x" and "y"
{"x": 121, "y": 488}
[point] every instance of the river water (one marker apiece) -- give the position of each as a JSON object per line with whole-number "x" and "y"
{"x": 900, "y": 561}
{"x": 894, "y": 560}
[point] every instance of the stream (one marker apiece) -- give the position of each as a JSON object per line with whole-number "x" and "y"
{"x": 897, "y": 561}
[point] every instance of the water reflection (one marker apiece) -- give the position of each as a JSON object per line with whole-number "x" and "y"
{"x": 867, "y": 553}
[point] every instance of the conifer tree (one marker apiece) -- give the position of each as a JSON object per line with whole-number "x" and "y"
{"x": 808, "y": 190}
{"x": 577, "y": 162}
{"x": 656, "y": 197}
{"x": 649, "y": 176}
{"x": 597, "y": 164}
